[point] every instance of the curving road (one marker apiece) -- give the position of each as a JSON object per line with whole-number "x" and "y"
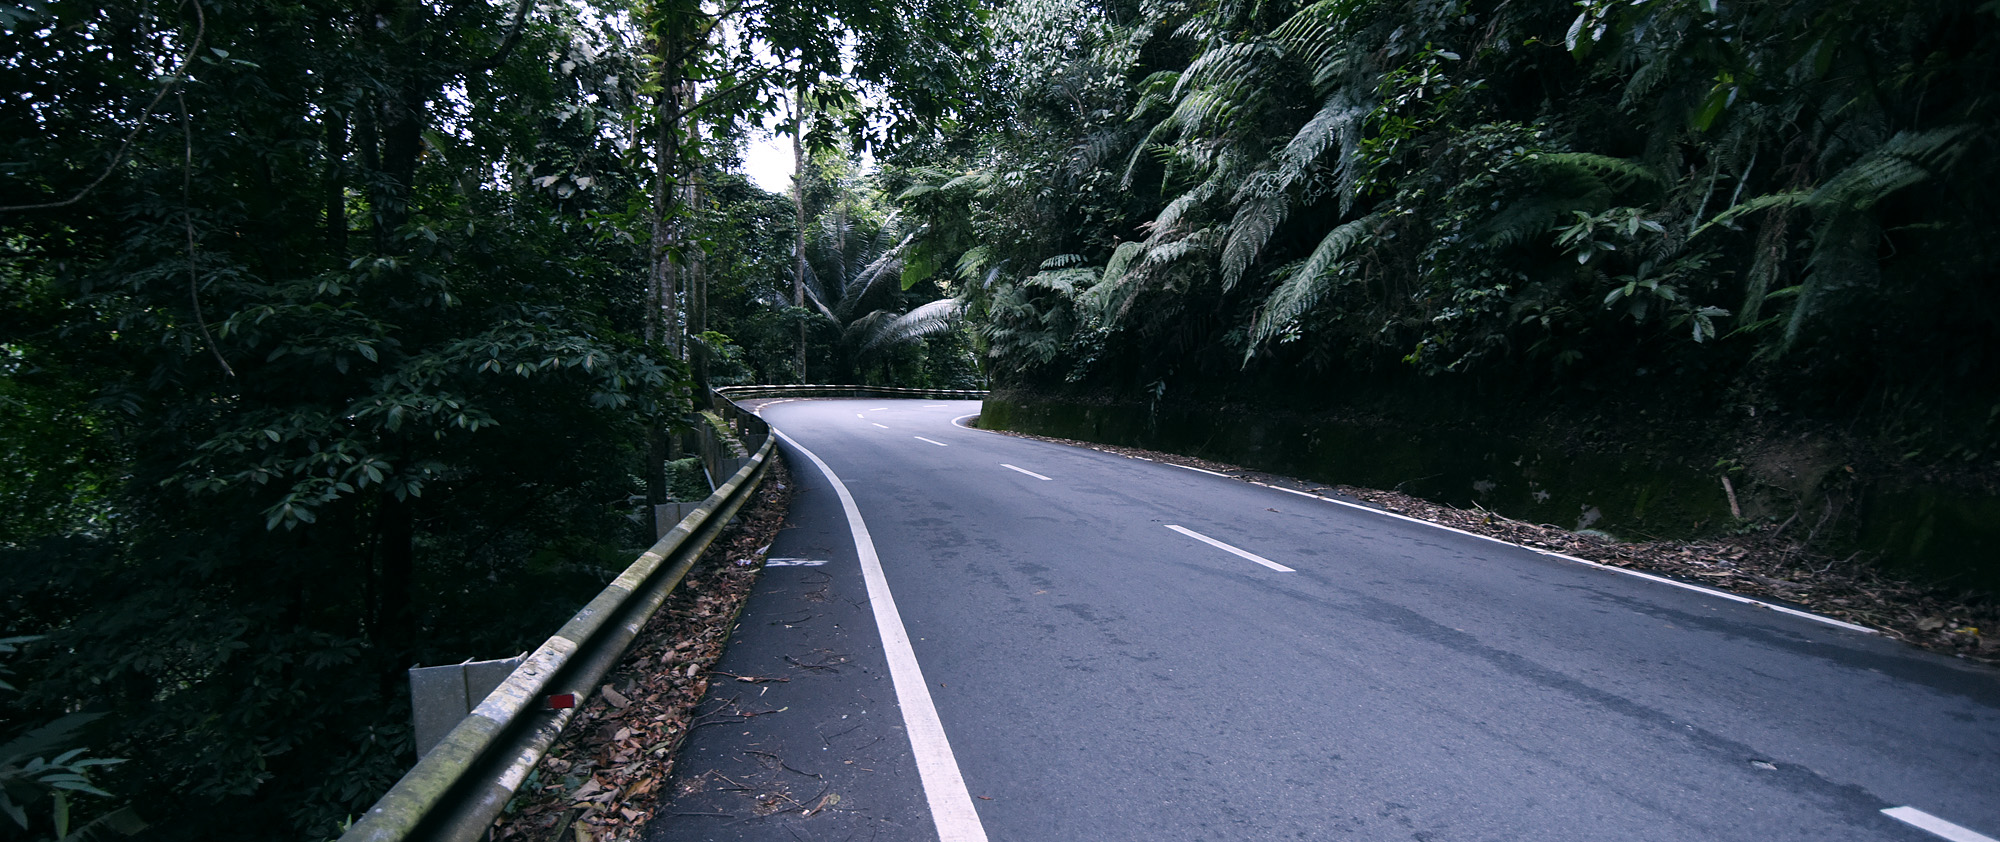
{"x": 1116, "y": 649}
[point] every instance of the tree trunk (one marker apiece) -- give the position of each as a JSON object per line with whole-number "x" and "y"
{"x": 336, "y": 187}
{"x": 799, "y": 213}
{"x": 396, "y": 633}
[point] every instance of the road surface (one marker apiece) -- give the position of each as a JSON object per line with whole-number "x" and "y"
{"x": 1066, "y": 644}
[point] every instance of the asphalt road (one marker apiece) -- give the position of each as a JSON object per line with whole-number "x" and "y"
{"x": 1100, "y": 671}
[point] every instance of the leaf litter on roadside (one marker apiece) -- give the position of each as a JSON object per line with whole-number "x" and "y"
{"x": 1758, "y": 564}
{"x": 603, "y": 778}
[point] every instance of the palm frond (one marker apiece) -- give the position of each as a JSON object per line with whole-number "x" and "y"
{"x": 928, "y": 320}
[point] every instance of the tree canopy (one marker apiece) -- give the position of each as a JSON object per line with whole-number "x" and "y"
{"x": 337, "y": 337}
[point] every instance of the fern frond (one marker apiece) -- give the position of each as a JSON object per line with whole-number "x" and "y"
{"x": 1617, "y": 173}
{"x": 1256, "y": 220}
{"x": 1061, "y": 261}
{"x": 1338, "y": 121}
{"x": 1091, "y": 153}
{"x": 1162, "y": 255}
{"x": 1901, "y": 161}
{"x": 1318, "y": 37}
{"x": 979, "y": 179}
{"x": 1154, "y": 92}
{"x": 974, "y": 261}
{"x": 1121, "y": 260}
{"x": 1310, "y": 282}
{"x": 1065, "y": 281}
{"x": 1228, "y": 66}
{"x": 1789, "y": 198}
{"x": 1524, "y": 219}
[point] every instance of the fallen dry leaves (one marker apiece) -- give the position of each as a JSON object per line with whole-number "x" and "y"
{"x": 1760, "y": 564}
{"x": 603, "y": 777}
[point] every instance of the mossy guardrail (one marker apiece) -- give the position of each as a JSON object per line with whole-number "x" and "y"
{"x": 456, "y": 791}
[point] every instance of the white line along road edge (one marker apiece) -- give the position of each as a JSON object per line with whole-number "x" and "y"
{"x": 1222, "y": 546}
{"x": 1918, "y": 818}
{"x": 1567, "y": 557}
{"x": 944, "y": 787}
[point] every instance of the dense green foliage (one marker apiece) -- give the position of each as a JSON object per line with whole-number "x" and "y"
{"x": 337, "y": 338}
{"x": 1748, "y": 205}
{"x": 321, "y": 336}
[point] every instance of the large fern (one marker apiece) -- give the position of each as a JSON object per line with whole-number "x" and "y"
{"x": 1308, "y": 284}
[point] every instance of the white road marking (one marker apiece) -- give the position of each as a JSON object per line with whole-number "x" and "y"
{"x": 944, "y": 786}
{"x": 1566, "y": 557}
{"x": 878, "y": 409}
{"x": 794, "y": 562}
{"x": 937, "y": 406}
{"x": 1198, "y": 470}
{"x": 1805, "y": 615}
{"x": 1025, "y": 471}
{"x": 1222, "y": 546}
{"x": 955, "y": 421}
{"x": 859, "y": 415}
{"x": 932, "y": 441}
{"x": 1918, "y": 818}
{"x": 883, "y": 426}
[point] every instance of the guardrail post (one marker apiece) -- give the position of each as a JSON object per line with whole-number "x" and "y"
{"x": 442, "y": 696}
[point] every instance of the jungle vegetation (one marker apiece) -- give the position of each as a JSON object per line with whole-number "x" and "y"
{"x": 341, "y": 337}
{"x": 1603, "y": 222}
{"x": 338, "y": 338}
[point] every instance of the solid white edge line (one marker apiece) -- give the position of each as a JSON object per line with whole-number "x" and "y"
{"x": 955, "y": 421}
{"x": 1806, "y": 615}
{"x": 932, "y": 441}
{"x": 1222, "y": 546}
{"x": 1025, "y": 471}
{"x": 1918, "y": 818}
{"x": 944, "y": 787}
{"x": 883, "y": 426}
{"x": 1567, "y": 557}
{"x": 1198, "y": 470}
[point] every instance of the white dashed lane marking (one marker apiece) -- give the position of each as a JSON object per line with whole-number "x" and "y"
{"x": 1918, "y": 818}
{"x": 1222, "y": 546}
{"x": 1023, "y": 470}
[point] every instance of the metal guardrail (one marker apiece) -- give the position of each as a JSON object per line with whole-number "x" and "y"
{"x": 459, "y": 788}
{"x": 456, "y": 791}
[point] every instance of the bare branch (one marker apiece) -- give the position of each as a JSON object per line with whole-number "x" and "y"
{"x": 179, "y": 75}
{"x": 512, "y": 38}
{"x": 187, "y": 221}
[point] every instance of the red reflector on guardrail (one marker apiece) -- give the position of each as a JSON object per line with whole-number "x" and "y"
{"x": 562, "y": 701}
